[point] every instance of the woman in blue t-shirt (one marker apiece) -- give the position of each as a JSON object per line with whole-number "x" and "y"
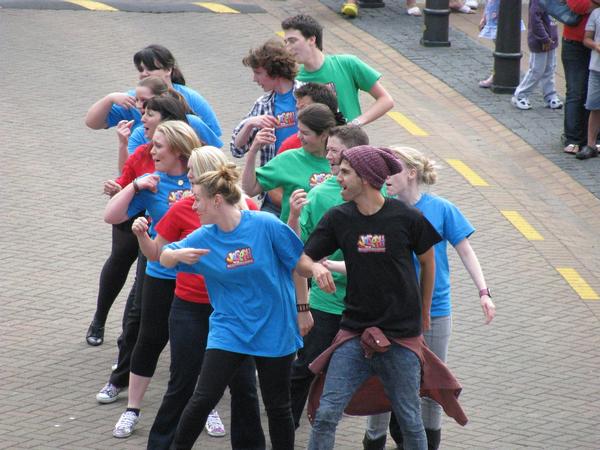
{"x": 455, "y": 229}
{"x": 154, "y": 60}
{"x": 247, "y": 259}
{"x": 172, "y": 144}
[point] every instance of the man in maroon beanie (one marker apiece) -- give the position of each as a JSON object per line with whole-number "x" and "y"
{"x": 377, "y": 236}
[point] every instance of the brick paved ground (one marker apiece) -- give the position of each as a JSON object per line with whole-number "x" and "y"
{"x": 530, "y": 380}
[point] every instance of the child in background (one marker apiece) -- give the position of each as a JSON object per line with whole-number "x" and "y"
{"x": 542, "y": 38}
{"x": 592, "y": 41}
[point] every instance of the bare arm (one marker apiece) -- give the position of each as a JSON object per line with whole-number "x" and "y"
{"x": 383, "y": 103}
{"x": 169, "y": 258}
{"x": 471, "y": 263}
{"x": 588, "y": 41}
{"x": 151, "y": 248}
{"x": 98, "y": 112}
{"x": 297, "y": 202}
{"x": 250, "y": 184}
{"x": 427, "y": 262}
{"x": 305, "y": 319}
{"x": 307, "y": 268}
{"x": 123, "y": 133}
{"x": 116, "y": 208}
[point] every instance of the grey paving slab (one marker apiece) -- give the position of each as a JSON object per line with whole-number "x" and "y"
{"x": 461, "y": 66}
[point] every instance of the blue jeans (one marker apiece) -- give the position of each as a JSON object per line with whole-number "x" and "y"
{"x": 399, "y": 370}
{"x": 576, "y": 61}
{"x": 188, "y": 333}
{"x": 315, "y": 342}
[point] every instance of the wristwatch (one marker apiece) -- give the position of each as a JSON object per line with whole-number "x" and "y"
{"x": 356, "y": 123}
{"x": 485, "y": 291}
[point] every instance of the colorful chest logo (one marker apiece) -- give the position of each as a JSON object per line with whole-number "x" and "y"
{"x": 175, "y": 196}
{"x": 318, "y": 178}
{"x": 371, "y": 243}
{"x": 239, "y": 257}
{"x": 286, "y": 119}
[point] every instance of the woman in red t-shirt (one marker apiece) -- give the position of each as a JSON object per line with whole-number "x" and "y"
{"x": 189, "y": 321}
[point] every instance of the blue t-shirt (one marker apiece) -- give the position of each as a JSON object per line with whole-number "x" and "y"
{"x": 285, "y": 113}
{"x": 248, "y": 275}
{"x": 449, "y": 222}
{"x": 195, "y": 101}
{"x": 170, "y": 190}
{"x": 204, "y": 133}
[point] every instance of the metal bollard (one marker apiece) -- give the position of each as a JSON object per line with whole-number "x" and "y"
{"x": 507, "y": 56}
{"x": 435, "y": 30}
{"x": 371, "y": 3}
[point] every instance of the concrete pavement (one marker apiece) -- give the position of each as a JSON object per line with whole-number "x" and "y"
{"x": 530, "y": 379}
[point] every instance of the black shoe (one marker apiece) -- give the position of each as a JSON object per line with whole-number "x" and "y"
{"x": 587, "y": 152}
{"x": 95, "y": 334}
{"x": 374, "y": 444}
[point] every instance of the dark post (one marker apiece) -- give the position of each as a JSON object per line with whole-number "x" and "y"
{"x": 371, "y": 3}
{"x": 507, "y": 57}
{"x": 435, "y": 32}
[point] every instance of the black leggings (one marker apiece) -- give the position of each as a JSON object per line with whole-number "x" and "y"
{"x": 157, "y": 296}
{"x": 114, "y": 273}
{"x": 218, "y": 369}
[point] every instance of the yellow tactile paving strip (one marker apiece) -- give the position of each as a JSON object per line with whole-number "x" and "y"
{"x": 91, "y": 5}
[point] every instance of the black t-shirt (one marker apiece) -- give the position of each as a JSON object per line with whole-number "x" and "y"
{"x": 383, "y": 289}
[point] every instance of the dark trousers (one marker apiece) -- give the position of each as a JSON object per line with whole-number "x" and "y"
{"x": 217, "y": 371}
{"x": 157, "y": 296}
{"x": 131, "y": 326}
{"x": 188, "y": 333}
{"x": 124, "y": 251}
{"x": 576, "y": 60}
{"x": 315, "y": 342}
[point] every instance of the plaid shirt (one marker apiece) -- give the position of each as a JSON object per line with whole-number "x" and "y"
{"x": 265, "y": 105}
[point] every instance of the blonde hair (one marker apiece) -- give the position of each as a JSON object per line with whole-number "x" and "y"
{"x": 181, "y": 138}
{"x": 223, "y": 181}
{"x": 206, "y": 159}
{"x": 414, "y": 159}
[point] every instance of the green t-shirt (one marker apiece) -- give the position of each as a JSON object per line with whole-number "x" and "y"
{"x": 346, "y": 74}
{"x": 320, "y": 199}
{"x": 291, "y": 170}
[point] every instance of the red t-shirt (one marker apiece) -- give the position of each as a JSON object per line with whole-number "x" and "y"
{"x": 579, "y": 7}
{"x": 138, "y": 164}
{"x": 179, "y": 221}
{"x": 289, "y": 143}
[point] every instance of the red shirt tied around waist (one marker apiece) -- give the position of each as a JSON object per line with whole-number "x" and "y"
{"x": 177, "y": 223}
{"x": 581, "y": 7}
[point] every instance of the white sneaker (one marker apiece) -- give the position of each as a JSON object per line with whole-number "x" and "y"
{"x": 521, "y": 103}
{"x": 214, "y": 426}
{"x": 473, "y": 4}
{"x": 108, "y": 394}
{"x": 126, "y": 424}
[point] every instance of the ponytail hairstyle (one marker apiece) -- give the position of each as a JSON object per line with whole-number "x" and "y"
{"x": 155, "y": 57}
{"x": 321, "y": 93}
{"x": 180, "y": 137}
{"x": 156, "y": 85}
{"x": 223, "y": 181}
{"x": 317, "y": 117}
{"x": 168, "y": 107}
{"x": 414, "y": 159}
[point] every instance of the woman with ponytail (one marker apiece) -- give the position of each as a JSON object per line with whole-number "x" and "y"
{"x": 247, "y": 259}
{"x": 153, "y": 60}
{"x": 454, "y": 228}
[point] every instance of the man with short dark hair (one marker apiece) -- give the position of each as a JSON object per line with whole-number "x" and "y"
{"x": 346, "y": 74}
{"x": 377, "y": 237}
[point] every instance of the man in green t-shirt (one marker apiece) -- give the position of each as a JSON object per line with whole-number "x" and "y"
{"x": 346, "y": 74}
{"x": 306, "y": 211}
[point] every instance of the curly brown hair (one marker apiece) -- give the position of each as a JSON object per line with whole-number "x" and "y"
{"x": 274, "y": 58}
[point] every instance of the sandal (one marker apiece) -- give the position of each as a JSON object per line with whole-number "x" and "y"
{"x": 350, "y": 9}
{"x": 414, "y": 11}
{"x": 571, "y": 149}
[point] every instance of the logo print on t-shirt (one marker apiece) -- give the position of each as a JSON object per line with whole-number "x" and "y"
{"x": 318, "y": 178}
{"x": 175, "y": 196}
{"x": 286, "y": 119}
{"x": 239, "y": 257}
{"x": 371, "y": 243}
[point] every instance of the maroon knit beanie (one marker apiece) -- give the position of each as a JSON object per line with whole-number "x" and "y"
{"x": 372, "y": 164}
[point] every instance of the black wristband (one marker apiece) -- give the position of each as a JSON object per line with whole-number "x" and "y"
{"x": 302, "y": 307}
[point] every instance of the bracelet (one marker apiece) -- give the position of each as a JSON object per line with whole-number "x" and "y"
{"x": 136, "y": 188}
{"x": 302, "y": 307}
